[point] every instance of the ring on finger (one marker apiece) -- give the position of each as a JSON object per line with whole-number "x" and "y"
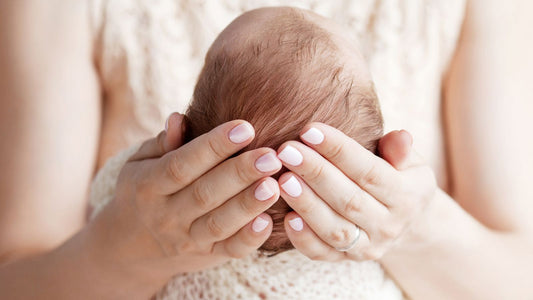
{"x": 352, "y": 244}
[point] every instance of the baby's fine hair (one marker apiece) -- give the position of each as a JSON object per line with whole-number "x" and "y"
{"x": 279, "y": 83}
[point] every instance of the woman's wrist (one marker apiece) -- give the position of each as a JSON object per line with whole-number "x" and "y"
{"x": 439, "y": 240}
{"x": 115, "y": 265}
{"x": 71, "y": 271}
{"x": 437, "y": 229}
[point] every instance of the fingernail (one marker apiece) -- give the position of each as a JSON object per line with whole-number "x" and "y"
{"x": 297, "y": 224}
{"x": 408, "y": 136}
{"x": 241, "y": 133}
{"x": 267, "y": 163}
{"x": 259, "y": 224}
{"x": 292, "y": 187}
{"x": 313, "y": 136}
{"x": 291, "y": 156}
{"x": 166, "y": 122}
{"x": 262, "y": 192}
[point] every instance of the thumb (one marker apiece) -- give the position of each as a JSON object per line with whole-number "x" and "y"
{"x": 396, "y": 147}
{"x": 167, "y": 140}
{"x": 175, "y": 132}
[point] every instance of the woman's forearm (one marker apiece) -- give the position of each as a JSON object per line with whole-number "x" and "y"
{"x": 72, "y": 271}
{"x": 447, "y": 254}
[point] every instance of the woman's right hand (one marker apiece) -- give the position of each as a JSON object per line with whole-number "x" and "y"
{"x": 188, "y": 209}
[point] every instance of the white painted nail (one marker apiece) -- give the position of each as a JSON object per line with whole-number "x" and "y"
{"x": 313, "y": 136}
{"x": 241, "y": 133}
{"x": 267, "y": 163}
{"x": 259, "y": 224}
{"x": 292, "y": 187}
{"x": 262, "y": 192}
{"x": 297, "y": 224}
{"x": 291, "y": 156}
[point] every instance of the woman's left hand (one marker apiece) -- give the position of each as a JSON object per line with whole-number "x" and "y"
{"x": 348, "y": 202}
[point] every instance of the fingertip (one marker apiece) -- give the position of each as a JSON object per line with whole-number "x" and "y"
{"x": 407, "y": 137}
{"x": 312, "y": 135}
{"x": 267, "y": 190}
{"x": 293, "y": 222}
{"x": 174, "y": 131}
{"x": 262, "y": 224}
{"x": 284, "y": 177}
{"x": 241, "y": 131}
{"x": 290, "y": 186}
{"x": 395, "y": 147}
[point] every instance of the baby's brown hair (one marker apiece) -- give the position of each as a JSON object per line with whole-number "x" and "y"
{"x": 285, "y": 76}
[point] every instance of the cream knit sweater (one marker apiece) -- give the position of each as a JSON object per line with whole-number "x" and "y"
{"x": 149, "y": 53}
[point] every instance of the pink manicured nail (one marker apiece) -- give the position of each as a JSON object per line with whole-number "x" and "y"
{"x": 263, "y": 192}
{"x": 296, "y": 224}
{"x": 291, "y": 156}
{"x": 313, "y": 136}
{"x": 259, "y": 224}
{"x": 267, "y": 163}
{"x": 292, "y": 187}
{"x": 241, "y": 133}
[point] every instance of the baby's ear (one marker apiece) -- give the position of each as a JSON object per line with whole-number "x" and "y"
{"x": 395, "y": 147}
{"x": 175, "y": 128}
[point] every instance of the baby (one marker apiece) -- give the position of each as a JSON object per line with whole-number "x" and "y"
{"x": 280, "y": 68}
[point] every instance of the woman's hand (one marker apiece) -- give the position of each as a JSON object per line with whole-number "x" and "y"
{"x": 188, "y": 209}
{"x": 348, "y": 202}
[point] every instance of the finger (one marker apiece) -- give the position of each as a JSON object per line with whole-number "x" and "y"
{"x": 369, "y": 171}
{"x": 182, "y": 166}
{"x": 331, "y": 227}
{"x": 396, "y": 148}
{"x": 175, "y": 128}
{"x": 167, "y": 140}
{"x": 224, "y": 182}
{"x": 307, "y": 242}
{"x": 228, "y": 218}
{"x": 247, "y": 240}
{"x": 329, "y": 183}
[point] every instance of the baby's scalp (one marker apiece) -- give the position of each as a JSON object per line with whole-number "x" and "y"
{"x": 279, "y": 69}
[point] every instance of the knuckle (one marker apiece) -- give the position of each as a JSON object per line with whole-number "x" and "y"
{"x": 307, "y": 208}
{"x": 248, "y": 241}
{"x": 201, "y": 196}
{"x": 341, "y": 237}
{"x": 185, "y": 247}
{"x": 242, "y": 173}
{"x": 315, "y": 173}
{"x": 216, "y": 148}
{"x": 213, "y": 227}
{"x": 335, "y": 152}
{"x": 371, "y": 177}
{"x": 164, "y": 226}
{"x": 176, "y": 171}
{"x": 353, "y": 204}
{"x": 248, "y": 207}
{"x": 235, "y": 253}
{"x": 389, "y": 232}
{"x": 143, "y": 190}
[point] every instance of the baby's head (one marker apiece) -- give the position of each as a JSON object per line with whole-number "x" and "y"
{"x": 279, "y": 69}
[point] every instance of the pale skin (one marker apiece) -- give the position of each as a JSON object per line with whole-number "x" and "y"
{"x": 479, "y": 249}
